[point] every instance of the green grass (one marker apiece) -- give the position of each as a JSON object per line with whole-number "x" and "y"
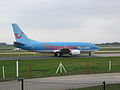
{"x": 108, "y": 45}
{"x": 10, "y": 51}
{"x": 6, "y": 49}
{"x": 106, "y": 52}
{"x": 47, "y": 67}
{"x": 108, "y": 87}
{"x": 112, "y": 49}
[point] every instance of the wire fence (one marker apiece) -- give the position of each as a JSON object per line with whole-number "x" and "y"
{"x": 40, "y": 68}
{"x": 39, "y": 84}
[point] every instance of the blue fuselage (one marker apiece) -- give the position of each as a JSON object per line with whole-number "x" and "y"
{"x": 52, "y": 46}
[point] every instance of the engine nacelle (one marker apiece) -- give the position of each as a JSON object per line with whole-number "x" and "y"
{"x": 75, "y": 52}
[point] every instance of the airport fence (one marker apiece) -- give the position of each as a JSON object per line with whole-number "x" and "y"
{"x": 43, "y": 68}
{"x": 46, "y": 84}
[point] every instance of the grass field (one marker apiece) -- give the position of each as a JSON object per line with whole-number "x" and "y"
{"x": 47, "y": 67}
{"x": 108, "y": 45}
{"x": 106, "y": 52}
{"x": 112, "y": 49}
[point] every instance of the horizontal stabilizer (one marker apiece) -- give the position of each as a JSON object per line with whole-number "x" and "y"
{"x": 18, "y": 44}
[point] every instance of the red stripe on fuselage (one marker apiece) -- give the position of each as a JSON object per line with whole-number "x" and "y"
{"x": 59, "y": 47}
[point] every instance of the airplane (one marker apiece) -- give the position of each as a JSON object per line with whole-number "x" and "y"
{"x": 57, "y": 48}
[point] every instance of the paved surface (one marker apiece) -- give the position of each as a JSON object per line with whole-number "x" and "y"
{"x": 108, "y": 51}
{"x": 50, "y": 57}
{"x": 26, "y": 57}
{"x": 107, "y": 55}
{"x": 62, "y": 82}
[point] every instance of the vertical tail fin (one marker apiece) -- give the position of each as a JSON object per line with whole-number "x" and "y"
{"x": 19, "y": 35}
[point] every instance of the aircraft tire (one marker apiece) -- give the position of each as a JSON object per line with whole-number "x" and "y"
{"x": 56, "y": 54}
{"x": 89, "y": 53}
{"x": 60, "y": 54}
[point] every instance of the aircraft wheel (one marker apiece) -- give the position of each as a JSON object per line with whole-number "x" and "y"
{"x": 70, "y": 54}
{"x": 89, "y": 53}
{"x": 60, "y": 54}
{"x": 56, "y": 54}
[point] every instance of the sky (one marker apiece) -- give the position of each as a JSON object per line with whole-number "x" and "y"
{"x": 95, "y": 21}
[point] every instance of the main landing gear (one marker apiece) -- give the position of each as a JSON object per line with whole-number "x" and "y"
{"x": 62, "y": 52}
{"x": 89, "y": 53}
{"x": 58, "y": 54}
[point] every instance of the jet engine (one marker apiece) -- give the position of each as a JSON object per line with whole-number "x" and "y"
{"x": 75, "y": 52}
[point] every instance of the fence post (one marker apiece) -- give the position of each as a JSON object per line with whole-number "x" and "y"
{"x": 17, "y": 69}
{"x": 22, "y": 83}
{"x": 104, "y": 85}
{"x": 3, "y": 69}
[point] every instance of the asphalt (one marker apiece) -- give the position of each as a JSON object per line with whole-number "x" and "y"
{"x": 26, "y": 57}
{"x": 107, "y": 55}
{"x": 50, "y": 57}
{"x": 63, "y": 82}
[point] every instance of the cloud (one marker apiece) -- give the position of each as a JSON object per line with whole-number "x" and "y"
{"x": 51, "y": 20}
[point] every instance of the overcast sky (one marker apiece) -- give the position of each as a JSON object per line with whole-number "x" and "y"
{"x": 94, "y": 21}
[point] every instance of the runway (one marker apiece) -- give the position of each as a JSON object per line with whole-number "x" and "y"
{"x": 26, "y": 57}
{"x": 51, "y": 57}
{"x": 62, "y": 82}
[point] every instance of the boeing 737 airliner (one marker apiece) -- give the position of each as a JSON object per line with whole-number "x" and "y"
{"x": 58, "y": 48}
